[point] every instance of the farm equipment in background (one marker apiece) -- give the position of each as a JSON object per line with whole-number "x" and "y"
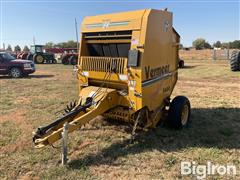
{"x": 127, "y": 70}
{"x": 70, "y": 56}
{"x": 37, "y": 55}
{"x": 65, "y": 55}
{"x": 235, "y": 60}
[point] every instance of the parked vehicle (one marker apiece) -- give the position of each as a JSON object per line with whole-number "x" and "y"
{"x": 16, "y": 68}
{"x": 70, "y": 58}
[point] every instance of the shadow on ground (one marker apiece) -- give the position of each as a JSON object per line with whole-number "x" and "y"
{"x": 40, "y": 76}
{"x": 188, "y": 67}
{"x": 216, "y": 127}
{"x": 29, "y": 76}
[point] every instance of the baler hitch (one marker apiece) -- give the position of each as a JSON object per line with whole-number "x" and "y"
{"x": 41, "y": 131}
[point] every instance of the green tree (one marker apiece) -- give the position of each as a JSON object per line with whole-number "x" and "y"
{"x": 235, "y": 44}
{"x": 199, "y": 43}
{"x": 217, "y": 44}
{"x": 26, "y": 49}
{"x": 225, "y": 45}
{"x": 9, "y": 48}
{"x": 207, "y": 45}
{"x": 49, "y": 45}
{"x": 231, "y": 45}
{"x": 61, "y": 45}
{"x": 17, "y": 48}
{"x": 71, "y": 44}
{"x": 68, "y": 44}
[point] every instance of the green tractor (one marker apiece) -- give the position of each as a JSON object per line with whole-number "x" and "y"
{"x": 39, "y": 56}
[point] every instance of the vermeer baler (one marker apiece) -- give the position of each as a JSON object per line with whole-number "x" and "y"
{"x": 128, "y": 67}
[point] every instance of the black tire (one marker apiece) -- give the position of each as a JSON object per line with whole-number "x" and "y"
{"x": 54, "y": 61}
{"x": 179, "y": 112}
{"x": 181, "y": 63}
{"x": 38, "y": 59}
{"x": 73, "y": 60}
{"x": 30, "y": 57}
{"x": 65, "y": 59}
{"x": 235, "y": 61}
{"x": 15, "y": 72}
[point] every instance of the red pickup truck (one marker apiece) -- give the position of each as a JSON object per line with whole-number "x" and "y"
{"x": 16, "y": 68}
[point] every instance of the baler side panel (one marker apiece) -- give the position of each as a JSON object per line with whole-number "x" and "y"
{"x": 158, "y": 63}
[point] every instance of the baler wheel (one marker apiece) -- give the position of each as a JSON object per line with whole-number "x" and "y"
{"x": 179, "y": 112}
{"x": 235, "y": 61}
{"x": 181, "y": 63}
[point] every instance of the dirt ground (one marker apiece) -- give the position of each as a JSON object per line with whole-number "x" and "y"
{"x": 102, "y": 150}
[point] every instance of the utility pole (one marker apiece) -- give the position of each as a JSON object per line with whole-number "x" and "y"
{"x": 34, "y": 40}
{"x": 76, "y": 33}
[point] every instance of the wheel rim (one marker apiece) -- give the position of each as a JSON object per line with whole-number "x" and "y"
{"x": 39, "y": 59}
{"x": 15, "y": 73}
{"x": 184, "y": 115}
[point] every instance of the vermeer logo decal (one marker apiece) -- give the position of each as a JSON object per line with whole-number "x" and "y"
{"x": 155, "y": 72}
{"x": 105, "y": 24}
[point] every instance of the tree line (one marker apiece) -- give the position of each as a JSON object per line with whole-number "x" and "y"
{"x": 199, "y": 43}
{"x": 68, "y": 44}
{"x": 17, "y": 48}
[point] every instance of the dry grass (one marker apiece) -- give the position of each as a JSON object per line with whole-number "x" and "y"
{"x": 102, "y": 150}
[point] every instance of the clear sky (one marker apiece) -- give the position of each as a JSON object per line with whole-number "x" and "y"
{"x": 51, "y": 20}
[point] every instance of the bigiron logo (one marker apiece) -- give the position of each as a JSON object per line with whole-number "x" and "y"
{"x": 204, "y": 170}
{"x": 155, "y": 72}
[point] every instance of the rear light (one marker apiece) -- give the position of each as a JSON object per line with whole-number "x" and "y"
{"x": 123, "y": 77}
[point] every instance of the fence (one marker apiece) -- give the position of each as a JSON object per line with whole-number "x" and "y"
{"x": 222, "y": 54}
{"x": 206, "y": 54}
